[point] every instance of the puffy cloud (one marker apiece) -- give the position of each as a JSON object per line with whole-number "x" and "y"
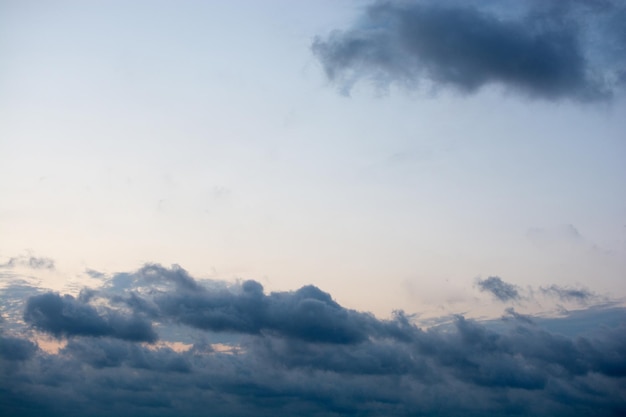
{"x": 551, "y": 49}
{"x": 503, "y": 291}
{"x": 67, "y": 316}
{"x": 308, "y": 314}
{"x": 301, "y": 353}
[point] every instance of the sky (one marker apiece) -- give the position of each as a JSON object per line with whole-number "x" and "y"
{"x": 313, "y": 208}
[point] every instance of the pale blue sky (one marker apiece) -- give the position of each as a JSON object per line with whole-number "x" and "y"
{"x": 206, "y": 134}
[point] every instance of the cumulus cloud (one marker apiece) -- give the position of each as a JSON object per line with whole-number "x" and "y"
{"x": 550, "y": 49}
{"x": 503, "y": 291}
{"x": 67, "y": 316}
{"x": 299, "y": 353}
{"x": 308, "y": 314}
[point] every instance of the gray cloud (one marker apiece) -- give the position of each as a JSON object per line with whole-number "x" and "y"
{"x": 113, "y": 353}
{"x": 34, "y": 262}
{"x": 15, "y": 348}
{"x": 300, "y": 353}
{"x": 67, "y": 316}
{"x": 506, "y": 292}
{"x": 511, "y": 314}
{"x": 550, "y": 50}
{"x": 501, "y": 290}
{"x": 580, "y": 295}
{"x": 308, "y": 314}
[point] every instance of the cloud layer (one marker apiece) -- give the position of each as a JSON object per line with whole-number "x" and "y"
{"x": 296, "y": 353}
{"x": 550, "y": 50}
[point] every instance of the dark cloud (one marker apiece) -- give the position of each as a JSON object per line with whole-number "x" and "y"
{"x": 110, "y": 353}
{"x": 501, "y": 290}
{"x": 308, "y": 314}
{"x": 551, "y": 50}
{"x": 67, "y": 316}
{"x": 16, "y": 349}
{"x": 300, "y": 353}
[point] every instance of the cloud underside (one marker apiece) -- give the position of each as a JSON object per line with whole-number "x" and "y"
{"x": 297, "y": 353}
{"x": 550, "y": 50}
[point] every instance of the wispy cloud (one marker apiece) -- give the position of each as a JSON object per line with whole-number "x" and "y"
{"x": 510, "y": 313}
{"x": 503, "y": 291}
{"x": 580, "y": 295}
{"x": 551, "y": 49}
{"x": 29, "y": 261}
{"x": 506, "y": 292}
{"x": 299, "y": 352}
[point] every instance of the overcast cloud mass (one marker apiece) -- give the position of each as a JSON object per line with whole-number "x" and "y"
{"x": 545, "y": 49}
{"x": 248, "y": 353}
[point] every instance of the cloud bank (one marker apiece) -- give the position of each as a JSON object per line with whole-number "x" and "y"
{"x": 295, "y": 353}
{"x": 543, "y": 49}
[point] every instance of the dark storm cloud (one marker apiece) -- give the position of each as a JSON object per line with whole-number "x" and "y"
{"x": 553, "y": 49}
{"x": 501, "y": 290}
{"x": 303, "y": 354}
{"x": 67, "y": 316}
